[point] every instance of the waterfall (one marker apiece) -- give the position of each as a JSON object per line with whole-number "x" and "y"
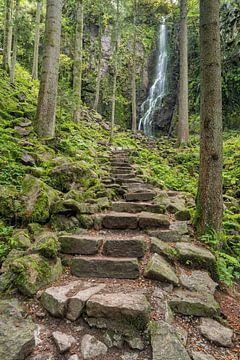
{"x": 158, "y": 89}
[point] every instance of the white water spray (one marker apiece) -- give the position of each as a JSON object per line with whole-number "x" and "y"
{"x": 158, "y": 89}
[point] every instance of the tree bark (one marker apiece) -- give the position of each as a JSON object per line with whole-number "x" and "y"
{"x": 15, "y": 40}
{"x": 210, "y": 198}
{"x": 134, "y": 96}
{"x": 183, "y": 127}
{"x": 117, "y": 37}
{"x": 8, "y": 29}
{"x": 36, "y": 41}
{"x": 77, "y": 66}
{"x": 47, "y": 98}
{"x": 98, "y": 80}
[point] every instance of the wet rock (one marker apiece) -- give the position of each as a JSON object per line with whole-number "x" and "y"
{"x": 216, "y": 332}
{"x": 198, "y": 281}
{"x": 91, "y": 347}
{"x": 199, "y": 355}
{"x": 159, "y": 269}
{"x": 132, "y": 308}
{"x": 63, "y": 341}
{"x": 193, "y": 303}
{"x": 17, "y": 339}
{"x": 165, "y": 343}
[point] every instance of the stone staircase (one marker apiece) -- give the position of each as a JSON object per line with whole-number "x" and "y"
{"x": 131, "y": 273}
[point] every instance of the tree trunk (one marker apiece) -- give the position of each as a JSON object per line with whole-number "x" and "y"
{"x": 15, "y": 40}
{"x": 98, "y": 80}
{"x": 8, "y": 29}
{"x": 134, "y": 96}
{"x": 117, "y": 37}
{"x": 47, "y": 98}
{"x": 36, "y": 41}
{"x": 77, "y": 66}
{"x": 210, "y": 199}
{"x": 183, "y": 127}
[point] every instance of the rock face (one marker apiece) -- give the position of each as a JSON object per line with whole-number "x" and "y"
{"x": 159, "y": 269}
{"x": 91, "y": 347}
{"x": 198, "y": 281}
{"x": 63, "y": 341}
{"x": 165, "y": 343}
{"x": 216, "y": 332}
{"x": 133, "y": 308}
{"x": 193, "y": 303}
{"x": 17, "y": 339}
{"x": 37, "y": 199}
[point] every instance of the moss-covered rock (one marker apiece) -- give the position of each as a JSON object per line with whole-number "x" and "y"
{"x": 9, "y": 204}
{"x": 31, "y": 272}
{"x": 47, "y": 245}
{"x": 37, "y": 199}
{"x": 21, "y": 239}
{"x": 64, "y": 223}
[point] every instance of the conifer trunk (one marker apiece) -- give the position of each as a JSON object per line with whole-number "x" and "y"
{"x": 117, "y": 36}
{"x": 210, "y": 199}
{"x": 36, "y": 41}
{"x": 15, "y": 41}
{"x": 183, "y": 127}
{"x": 8, "y": 29}
{"x": 134, "y": 96}
{"x": 47, "y": 98}
{"x": 77, "y": 66}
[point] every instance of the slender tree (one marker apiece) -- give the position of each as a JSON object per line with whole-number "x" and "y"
{"x": 15, "y": 40}
{"x": 47, "y": 98}
{"x": 8, "y": 30}
{"x": 210, "y": 199}
{"x": 134, "y": 95}
{"x": 183, "y": 127}
{"x": 99, "y": 66}
{"x": 36, "y": 40}
{"x": 78, "y": 58}
{"x": 115, "y": 55}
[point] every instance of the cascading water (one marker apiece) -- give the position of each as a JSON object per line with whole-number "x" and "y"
{"x": 158, "y": 89}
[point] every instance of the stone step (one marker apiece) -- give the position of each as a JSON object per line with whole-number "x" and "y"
{"x": 136, "y": 207}
{"x": 119, "y": 163}
{"x": 131, "y": 247}
{"x": 104, "y": 267}
{"x": 119, "y": 171}
{"x": 128, "y": 181}
{"x": 80, "y": 244}
{"x": 144, "y": 220}
{"x": 122, "y": 176}
{"x": 140, "y": 196}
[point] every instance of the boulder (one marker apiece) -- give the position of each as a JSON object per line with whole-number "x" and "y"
{"x": 37, "y": 199}
{"x": 160, "y": 247}
{"x": 216, "y": 332}
{"x": 17, "y": 339}
{"x": 91, "y": 347}
{"x": 196, "y": 256}
{"x": 63, "y": 341}
{"x": 9, "y": 203}
{"x": 197, "y": 280}
{"x": 199, "y": 355}
{"x": 159, "y": 269}
{"x": 193, "y": 303}
{"x": 47, "y": 245}
{"x": 31, "y": 272}
{"x": 21, "y": 239}
{"x": 133, "y": 308}
{"x": 165, "y": 343}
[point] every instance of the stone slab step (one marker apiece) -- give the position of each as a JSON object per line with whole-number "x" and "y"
{"x": 144, "y": 220}
{"x": 119, "y": 163}
{"x": 132, "y": 247}
{"x": 80, "y": 244}
{"x": 128, "y": 181}
{"x": 136, "y": 207}
{"x": 104, "y": 267}
{"x": 130, "y": 308}
{"x": 123, "y": 170}
{"x": 140, "y": 196}
{"x": 123, "y": 176}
